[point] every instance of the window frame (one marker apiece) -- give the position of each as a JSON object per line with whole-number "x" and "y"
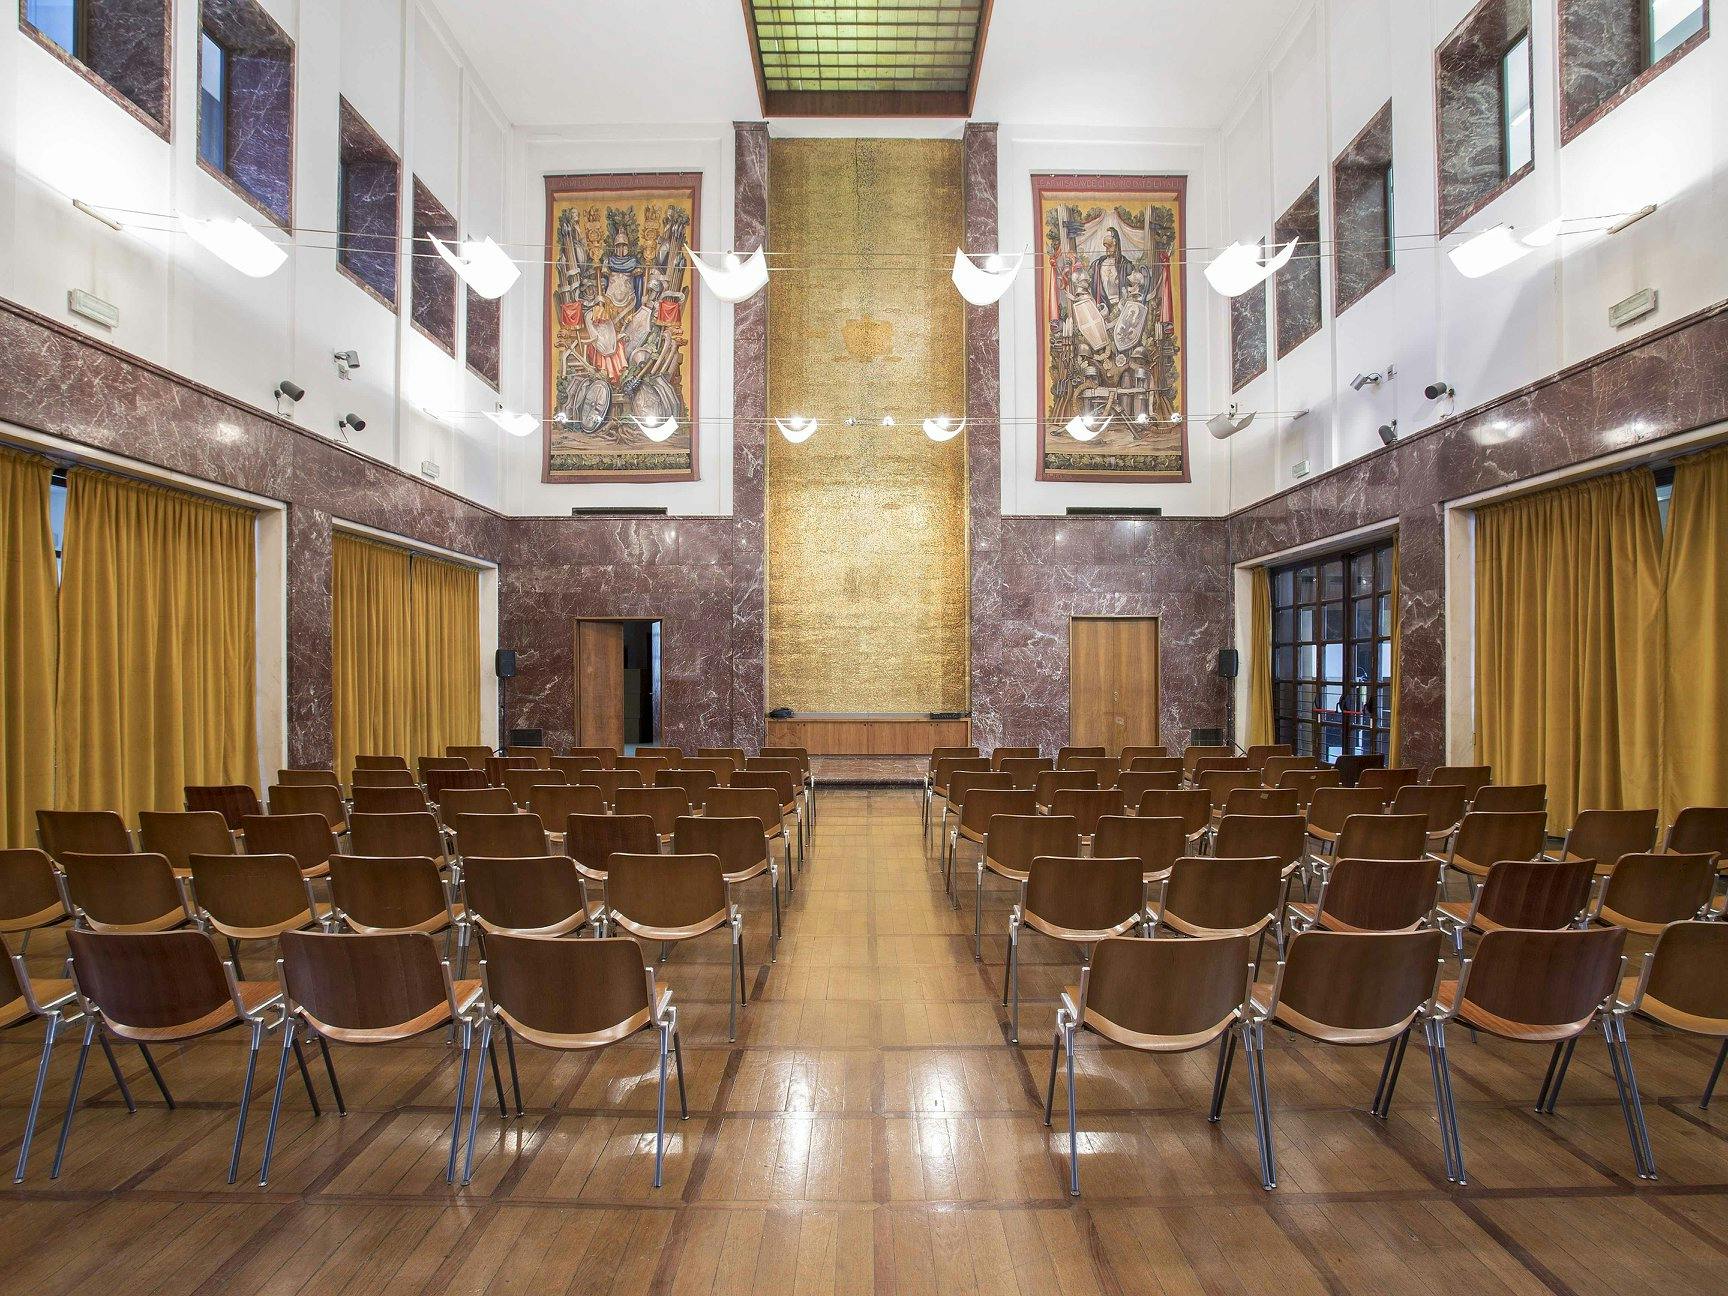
{"x": 206, "y": 38}
{"x": 1527, "y": 65}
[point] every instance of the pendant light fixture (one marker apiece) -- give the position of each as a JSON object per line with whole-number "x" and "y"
{"x": 482, "y": 265}
{"x": 660, "y": 431}
{"x": 943, "y": 428}
{"x": 985, "y": 285}
{"x": 1238, "y": 267}
{"x": 736, "y": 280}
{"x": 239, "y": 244}
{"x": 797, "y": 429}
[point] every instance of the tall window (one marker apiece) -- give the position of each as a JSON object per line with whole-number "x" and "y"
{"x": 1332, "y": 653}
{"x": 1517, "y": 134}
{"x": 61, "y": 21}
{"x": 1667, "y": 25}
{"x": 212, "y": 102}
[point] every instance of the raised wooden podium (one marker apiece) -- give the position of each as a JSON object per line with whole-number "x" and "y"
{"x": 868, "y": 735}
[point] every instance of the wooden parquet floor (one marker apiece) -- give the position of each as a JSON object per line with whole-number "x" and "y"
{"x": 870, "y": 1131}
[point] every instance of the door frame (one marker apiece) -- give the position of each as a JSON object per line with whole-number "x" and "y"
{"x": 1158, "y": 663}
{"x": 576, "y": 624}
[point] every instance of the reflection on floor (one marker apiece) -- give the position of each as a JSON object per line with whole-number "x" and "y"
{"x": 871, "y": 1130}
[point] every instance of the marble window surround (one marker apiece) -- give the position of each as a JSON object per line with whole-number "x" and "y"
{"x": 1298, "y": 308}
{"x": 432, "y": 281}
{"x": 260, "y": 105}
{"x": 1248, "y": 340}
{"x": 483, "y": 344}
{"x": 369, "y": 208}
{"x": 1601, "y": 58}
{"x": 130, "y": 56}
{"x": 1469, "y": 160}
{"x": 1362, "y": 229}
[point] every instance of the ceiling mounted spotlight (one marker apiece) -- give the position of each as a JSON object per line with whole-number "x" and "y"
{"x": 1362, "y": 380}
{"x": 288, "y": 389}
{"x": 237, "y": 243}
{"x": 987, "y": 284}
{"x": 482, "y": 265}
{"x": 1083, "y": 427}
{"x": 1226, "y": 425}
{"x": 517, "y": 425}
{"x": 797, "y": 429}
{"x": 943, "y": 428}
{"x": 737, "y": 279}
{"x": 349, "y": 422}
{"x": 345, "y": 361}
{"x": 1238, "y": 267}
{"x": 660, "y": 431}
{"x": 1439, "y": 391}
{"x": 1388, "y": 432}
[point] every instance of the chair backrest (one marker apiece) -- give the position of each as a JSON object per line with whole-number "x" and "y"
{"x": 1080, "y": 895}
{"x": 307, "y": 837}
{"x": 251, "y": 897}
{"x": 1261, "y": 801}
{"x": 1535, "y": 894}
{"x": 1647, "y": 891}
{"x": 574, "y": 768}
{"x": 1220, "y": 764}
{"x": 499, "y": 836}
{"x": 441, "y": 781}
{"x": 413, "y": 833}
{"x": 671, "y": 755}
{"x": 591, "y": 840}
{"x": 380, "y": 762}
{"x": 1472, "y": 778}
{"x": 182, "y": 834}
{"x": 570, "y": 994}
{"x": 1699, "y": 828}
{"x": 1359, "y": 987}
{"x": 1383, "y": 836}
{"x": 121, "y": 892}
{"x": 609, "y": 781}
{"x": 1500, "y": 797}
{"x": 1352, "y": 765}
{"x": 1001, "y": 754}
{"x": 539, "y": 754}
{"x": 1191, "y": 805}
{"x": 1441, "y": 804}
{"x": 1197, "y": 752}
{"x": 761, "y": 804}
{"x": 693, "y": 783}
{"x": 1157, "y": 843}
{"x": 945, "y": 767}
{"x": 985, "y": 803}
{"x": 800, "y": 754}
{"x": 648, "y": 767}
{"x": 539, "y": 893}
{"x": 1218, "y": 784}
{"x": 1154, "y": 765}
{"x": 1209, "y": 893}
{"x": 476, "y": 800}
{"x": 784, "y": 785}
{"x": 664, "y": 805}
{"x": 607, "y": 756}
{"x": 1273, "y": 768}
{"x": 964, "y": 781}
{"x": 734, "y": 754}
{"x": 366, "y": 989}
{"x": 1252, "y": 836}
{"x": 556, "y": 802}
{"x": 1485, "y": 836}
{"x": 1134, "y": 782}
{"x": 670, "y": 894}
{"x": 521, "y": 782}
{"x": 1144, "y": 751}
{"x": 308, "y": 778}
{"x": 1088, "y": 805}
{"x": 1260, "y": 753}
{"x": 1015, "y": 840}
{"x": 1186, "y": 991}
{"x": 1552, "y": 981}
{"x": 496, "y": 765}
{"x": 1331, "y": 806}
{"x": 148, "y": 982}
{"x": 426, "y": 764}
{"x": 1024, "y": 770}
{"x": 1606, "y": 835}
{"x": 476, "y": 756}
{"x": 1070, "y": 753}
{"x": 1388, "y": 781}
{"x": 314, "y": 798}
{"x": 1689, "y": 972}
{"x": 1379, "y": 895}
{"x": 29, "y": 896}
{"x": 388, "y": 800}
{"x": 378, "y": 893}
{"x": 1107, "y": 768}
{"x": 721, "y": 767}
{"x": 736, "y": 840}
{"x": 86, "y": 832}
{"x": 1050, "y": 782}
{"x": 1307, "y": 782}
{"x": 233, "y": 801}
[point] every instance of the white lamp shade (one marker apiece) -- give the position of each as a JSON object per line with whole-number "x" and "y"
{"x": 660, "y": 431}
{"x": 1082, "y": 427}
{"x": 984, "y": 287}
{"x": 797, "y": 429}
{"x": 517, "y": 425}
{"x": 239, "y": 244}
{"x": 736, "y": 280}
{"x": 943, "y": 428}
{"x": 1238, "y": 267}
{"x": 1491, "y": 250}
{"x": 482, "y": 266}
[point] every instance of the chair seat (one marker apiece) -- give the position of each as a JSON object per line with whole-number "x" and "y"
{"x": 49, "y": 993}
{"x": 1302, "y": 1024}
{"x": 1477, "y": 1019}
{"x": 1311, "y": 914}
{"x": 46, "y": 917}
{"x": 1459, "y": 911}
{"x": 467, "y": 993}
{"x": 256, "y": 995}
{"x": 1145, "y": 1043}
{"x": 1003, "y": 871}
{"x": 1074, "y": 935}
{"x": 755, "y": 870}
{"x": 1463, "y": 865}
{"x": 1175, "y": 922}
{"x": 1656, "y": 1010}
{"x": 318, "y": 913}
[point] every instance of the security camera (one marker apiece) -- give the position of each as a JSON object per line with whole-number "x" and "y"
{"x": 1362, "y": 380}
{"x": 289, "y": 389}
{"x": 1438, "y": 390}
{"x": 352, "y": 421}
{"x": 346, "y": 360}
{"x": 1388, "y": 432}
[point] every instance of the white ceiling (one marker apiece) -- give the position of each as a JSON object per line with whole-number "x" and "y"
{"x": 1144, "y": 63}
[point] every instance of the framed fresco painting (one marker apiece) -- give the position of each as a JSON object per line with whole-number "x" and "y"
{"x": 621, "y": 326}
{"x": 1112, "y": 327}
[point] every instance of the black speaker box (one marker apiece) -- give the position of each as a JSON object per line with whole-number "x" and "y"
{"x": 505, "y": 663}
{"x": 1229, "y": 662}
{"x": 527, "y": 737}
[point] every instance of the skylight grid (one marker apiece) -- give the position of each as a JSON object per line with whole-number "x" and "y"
{"x": 891, "y": 45}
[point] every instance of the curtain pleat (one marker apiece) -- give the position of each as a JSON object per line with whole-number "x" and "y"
{"x": 157, "y": 646}
{"x": 447, "y": 654}
{"x": 372, "y": 644}
{"x": 1260, "y": 726}
{"x": 1695, "y": 736}
{"x": 1394, "y": 735}
{"x": 1569, "y": 643}
{"x": 27, "y": 646}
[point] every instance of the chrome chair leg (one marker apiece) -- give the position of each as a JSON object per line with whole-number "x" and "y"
{"x": 330, "y": 1070}
{"x": 51, "y": 1028}
{"x": 1715, "y": 1075}
{"x": 246, "y": 1096}
{"x": 1221, "y": 1074}
{"x": 660, "y": 1113}
{"x": 1389, "y": 1070}
{"x": 72, "y": 1098}
{"x": 461, "y": 1094}
{"x": 515, "y": 1079}
{"x": 306, "y": 1078}
{"x": 156, "y": 1075}
{"x": 678, "y": 1061}
{"x": 474, "y": 1110}
{"x": 276, "y": 1102}
{"x": 1254, "y": 1054}
{"x": 497, "y": 1084}
{"x": 1073, "y": 1116}
{"x": 119, "y": 1078}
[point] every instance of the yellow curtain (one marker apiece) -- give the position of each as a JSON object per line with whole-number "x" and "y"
{"x": 446, "y": 601}
{"x": 373, "y": 652}
{"x": 1695, "y": 740}
{"x": 26, "y": 646}
{"x": 1568, "y": 643}
{"x": 1260, "y": 726}
{"x": 157, "y": 646}
{"x": 1394, "y": 737}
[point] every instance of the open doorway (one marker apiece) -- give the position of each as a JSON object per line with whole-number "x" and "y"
{"x": 618, "y": 682}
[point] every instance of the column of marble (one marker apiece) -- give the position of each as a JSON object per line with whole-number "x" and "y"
{"x": 983, "y": 445}
{"x": 311, "y": 691}
{"x": 749, "y": 446}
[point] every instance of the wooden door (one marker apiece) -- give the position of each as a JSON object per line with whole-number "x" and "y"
{"x": 1113, "y": 682}
{"x": 600, "y": 684}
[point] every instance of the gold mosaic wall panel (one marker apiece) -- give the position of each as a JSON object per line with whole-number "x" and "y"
{"x": 867, "y": 572}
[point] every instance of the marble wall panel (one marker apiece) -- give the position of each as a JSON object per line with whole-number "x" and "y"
{"x": 371, "y": 207}
{"x": 1248, "y": 344}
{"x": 1297, "y": 306}
{"x": 1362, "y": 211}
{"x": 1471, "y": 158}
{"x": 432, "y": 282}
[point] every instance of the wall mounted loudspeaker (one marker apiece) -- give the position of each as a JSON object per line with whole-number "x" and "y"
{"x": 1229, "y": 662}
{"x": 527, "y": 737}
{"x": 505, "y": 663}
